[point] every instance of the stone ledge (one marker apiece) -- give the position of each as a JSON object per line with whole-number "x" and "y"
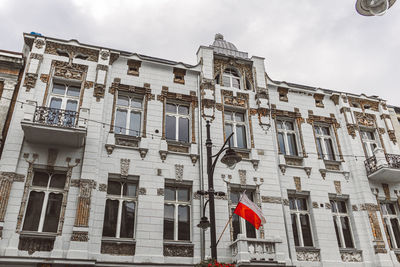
{"x": 178, "y": 249}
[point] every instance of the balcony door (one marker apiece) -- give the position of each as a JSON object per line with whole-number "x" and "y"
{"x": 63, "y": 104}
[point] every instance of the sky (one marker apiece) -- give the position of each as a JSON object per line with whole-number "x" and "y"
{"x": 319, "y": 43}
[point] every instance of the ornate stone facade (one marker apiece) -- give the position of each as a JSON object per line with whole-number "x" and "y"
{"x": 178, "y": 250}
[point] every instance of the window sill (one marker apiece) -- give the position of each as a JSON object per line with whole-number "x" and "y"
{"x": 243, "y": 152}
{"x": 332, "y": 165}
{"x": 179, "y": 147}
{"x": 118, "y": 246}
{"x": 351, "y": 250}
{"x": 127, "y": 140}
{"x": 118, "y": 240}
{"x": 294, "y": 160}
{"x": 307, "y": 249}
{"x": 178, "y": 249}
{"x": 38, "y": 234}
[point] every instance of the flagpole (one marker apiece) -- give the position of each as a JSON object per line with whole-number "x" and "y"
{"x": 226, "y": 225}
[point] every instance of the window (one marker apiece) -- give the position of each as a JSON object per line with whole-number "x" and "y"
{"x": 301, "y": 224}
{"x": 119, "y": 215}
{"x": 235, "y": 122}
{"x": 179, "y": 75}
{"x": 325, "y": 142}
{"x": 177, "y": 213}
{"x": 240, "y": 225}
{"x": 391, "y": 219}
{"x": 287, "y": 137}
{"x": 44, "y": 203}
{"x": 177, "y": 122}
{"x": 128, "y": 115}
{"x": 370, "y": 141}
{"x": 64, "y": 99}
{"x": 231, "y": 78}
{"x": 341, "y": 221}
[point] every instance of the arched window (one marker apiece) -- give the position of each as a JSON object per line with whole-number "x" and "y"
{"x": 231, "y": 78}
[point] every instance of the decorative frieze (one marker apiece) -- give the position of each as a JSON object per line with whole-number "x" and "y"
{"x": 69, "y": 70}
{"x": 365, "y": 119}
{"x": 80, "y": 236}
{"x": 308, "y": 254}
{"x": 269, "y": 199}
{"x": 118, "y": 248}
{"x": 39, "y": 43}
{"x": 36, "y": 243}
{"x": 54, "y": 48}
{"x": 178, "y": 250}
{"x": 351, "y": 255}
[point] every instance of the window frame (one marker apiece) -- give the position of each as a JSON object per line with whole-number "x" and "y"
{"x": 231, "y": 76}
{"x": 284, "y": 131}
{"x": 368, "y": 142}
{"x": 234, "y": 124}
{"x": 65, "y": 97}
{"x": 386, "y": 217}
{"x": 177, "y": 117}
{"x": 337, "y": 215}
{"x": 176, "y": 203}
{"x": 129, "y": 110}
{"x": 298, "y": 213}
{"x": 121, "y": 198}
{"x": 47, "y": 191}
{"x": 323, "y": 137}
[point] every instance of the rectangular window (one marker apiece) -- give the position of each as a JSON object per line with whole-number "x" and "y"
{"x": 120, "y": 211}
{"x": 301, "y": 224}
{"x": 44, "y": 203}
{"x": 63, "y": 104}
{"x": 370, "y": 141}
{"x": 240, "y": 225}
{"x": 341, "y": 221}
{"x": 287, "y": 137}
{"x": 177, "y": 204}
{"x": 177, "y": 120}
{"x": 326, "y": 145}
{"x": 391, "y": 219}
{"x": 235, "y": 122}
{"x": 128, "y": 114}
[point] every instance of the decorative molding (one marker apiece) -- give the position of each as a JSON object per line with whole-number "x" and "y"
{"x": 80, "y": 236}
{"x": 30, "y": 81}
{"x": 242, "y": 176}
{"x": 245, "y": 69}
{"x": 142, "y": 191}
{"x": 72, "y": 50}
{"x": 351, "y": 129}
{"x": 99, "y": 91}
{"x": 365, "y": 119}
{"x": 297, "y": 183}
{"x": 124, "y": 166}
{"x": 44, "y": 78}
{"x": 338, "y": 187}
{"x": 103, "y": 187}
{"x": 307, "y": 254}
{"x": 118, "y": 248}
{"x": 179, "y": 172}
{"x": 351, "y": 255}
{"x": 386, "y": 190}
{"x": 39, "y": 43}
{"x": 83, "y": 208}
{"x": 269, "y": 199}
{"x": 178, "y": 250}
{"x": 133, "y": 67}
{"x": 36, "y": 243}
{"x": 6, "y": 180}
{"x": 160, "y": 191}
{"x": 69, "y": 70}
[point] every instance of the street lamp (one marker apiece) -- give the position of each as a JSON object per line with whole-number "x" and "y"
{"x": 373, "y": 7}
{"x": 229, "y": 159}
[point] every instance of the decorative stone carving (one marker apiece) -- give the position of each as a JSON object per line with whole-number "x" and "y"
{"x": 351, "y": 256}
{"x": 392, "y": 136}
{"x": 328, "y": 205}
{"x": 118, "y": 248}
{"x": 285, "y": 202}
{"x": 44, "y": 78}
{"x": 354, "y": 207}
{"x": 88, "y": 84}
{"x": 282, "y": 167}
{"x": 125, "y": 167}
{"x": 123, "y": 140}
{"x": 160, "y": 191}
{"x": 283, "y": 94}
{"x": 102, "y": 187}
{"x": 338, "y": 187}
{"x": 308, "y": 255}
{"x": 163, "y": 155}
{"x": 308, "y": 171}
{"x": 269, "y": 199}
{"x": 69, "y": 70}
{"x": 351, "y": 129}
{"x": 99, "y": 91}
{"x": 323, "y": 173}
{"x": 6, "y": 180}
{"x": 255, "y": 163}
{"x": 142, "y": 191}
{"x": 319, "y": 98}
{"x": 109, "y": 148}
{"x": 245, "y": 69}
{"x": 72, "y": 50}
{"x": 104, "y": 54}
{"x": 369, "y": 207}
{"x": 36, "y": 243}
{"x": 178, "y": 250}
{"x": 365, "y": 119}
{"x": 242, "y": 176}
{"x": 39, "y": 43}
{"x": 386, "y": 191}
{"x": 363, "y": 104}
{"x": 297, "y": 183}
{"x": 294, "y": 161}
{"x": 133, "y": 67}
{"x": 315, "y": 205}
{"x": 30, "y": 81}
{"x": 194, "y": 158}
{"x": 179, "y": 75}
{"x": 83, "y": 209}
{"x": 80, "y": 236}
{"x": 179, "y": 172}
{"x": 143, "y": 152}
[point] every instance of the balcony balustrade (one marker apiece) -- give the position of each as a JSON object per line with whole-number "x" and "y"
{"x": 383, "y": 167}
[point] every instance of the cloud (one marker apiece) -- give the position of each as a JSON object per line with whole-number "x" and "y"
{"x": 318, "y": 43}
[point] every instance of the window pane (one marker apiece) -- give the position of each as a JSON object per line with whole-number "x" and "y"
{"x": 241, "y": 136}
{"x": 236, "y": 83}
{"x": 120, "y": 122}
{"x": 396, "y": 230}
{"x": 319, "y": 148}
{"x": 317, "y": 130}
{"x": 123, "y": 101}
{"x": 306, "y": 229}
{"x": 184, "y": 130}
{"x": 235, "y": 197}
{"x": 73, "y": 91}
{"x": 170, "y": 128}
{"x": 171, "y": 108}
{"x": 169, "y": 222}
{"x": 292, "y": 144}
{"x": 169, "y": 193}
{"x": 55, "y": 103}
{"x": 183, "y": 223}
{"x": 292, "y": 203}
{"x": 235, "y": 225}
{"x": 134, "y": 124}
{"x": 228, "y": 115}
{"x": 289, "y": 125}
{"x": 136, "y": 103}
{"x": 58, "y": 89}
{"x": 342, "y": 206}
{"x": 58, "y": 180}
{"x": 183, "y": 110}
{"x": 329, "y": 149}
{"x": 129, "y": 189}
{"x": 337, "y": 232}
{"x": 183, "y": 194}
{"x": 228, "y": 132}
{"x": 127, "y": 219}
{"x": 333, "y": 206}
{"x": 239, "y": 117}
{"x": 301, "y": 203}
{"x": 71, "y": 105}
{"x": 52, "y": 213}
{"x": 40, "y": 179}
{"x": 294, "y": 229}
{"x": 33, "y": 211}
{"x": 110, "y": 218}
{"x": 114, "y": 188}
{"x": 325, "y": 131}
{"x": 390, "y": 208}
{"x": 279, "y": 124}
{"x": 346, "y": 232}
{"x": 281, "y": 142}
{"x": 250, "y": 230}
{"x": 226, "y": 80}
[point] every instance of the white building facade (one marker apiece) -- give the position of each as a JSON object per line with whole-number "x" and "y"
{"x": 106, "y": 152}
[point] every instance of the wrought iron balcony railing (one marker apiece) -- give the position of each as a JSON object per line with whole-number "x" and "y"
{"x": 56, "y": 117}
{"x": 392, "y": 161}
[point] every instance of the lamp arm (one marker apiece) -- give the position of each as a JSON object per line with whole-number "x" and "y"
{"x": 223, "y": 148}
{"x": 204, "y": 208}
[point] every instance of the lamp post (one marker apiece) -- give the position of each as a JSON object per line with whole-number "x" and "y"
{"x": 229, "y": 159}
{"x": 373, "y": 7}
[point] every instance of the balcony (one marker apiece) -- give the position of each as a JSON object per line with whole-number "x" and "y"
{"x": 43, "y": 125}
{"x": 255, "y": 252}
{"x": 383, "y": 167}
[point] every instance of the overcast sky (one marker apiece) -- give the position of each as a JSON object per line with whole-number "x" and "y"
{"x": 319, "y": 43}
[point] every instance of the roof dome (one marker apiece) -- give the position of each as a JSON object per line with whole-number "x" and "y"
{"x": 221, "y": 43}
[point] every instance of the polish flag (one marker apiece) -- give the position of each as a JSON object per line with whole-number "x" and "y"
{"x": 249, "y": 211}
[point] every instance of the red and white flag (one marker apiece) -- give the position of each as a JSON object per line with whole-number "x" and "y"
{"x": 249, "y": 211}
